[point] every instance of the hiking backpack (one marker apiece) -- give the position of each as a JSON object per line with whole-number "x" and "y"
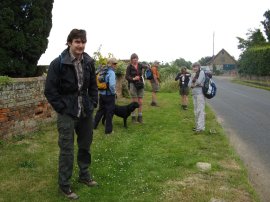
{"x": 148, "y": 74}
{"x": 209, "y": 87}
{"x": 101, "y": 78}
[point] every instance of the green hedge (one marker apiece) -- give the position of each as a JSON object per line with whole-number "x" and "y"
{"x": 255, "y": 61}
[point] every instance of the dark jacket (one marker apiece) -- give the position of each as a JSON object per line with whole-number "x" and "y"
{"x": 61, "y": 87}
{"x": 131, "y": 72}
{"x": 183, "y": 79}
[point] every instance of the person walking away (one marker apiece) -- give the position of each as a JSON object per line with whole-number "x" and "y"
{"x": 183, "y": 76}
{"x": 155, "y": 83}
{"x": 136, "y": 85}
{"x": 107, "y": 98}
{"x": 71, "y": 90}
{"x": 196, "y": 82}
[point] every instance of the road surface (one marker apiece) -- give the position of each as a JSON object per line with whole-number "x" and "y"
{"x": 244, "y": 113}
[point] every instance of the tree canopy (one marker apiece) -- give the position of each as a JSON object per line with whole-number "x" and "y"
{"x": 255, "y": 38}
{"x": 204, "y": 60}
{"x": 266, "y": 24}
{"x": 24, "y": 28}
{"x": 182, "y": 62}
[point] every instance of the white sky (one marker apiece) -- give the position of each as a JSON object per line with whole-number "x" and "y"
{"x": 161, "y": 30}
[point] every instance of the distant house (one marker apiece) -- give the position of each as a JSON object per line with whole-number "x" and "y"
{"x": 222, "y": 61}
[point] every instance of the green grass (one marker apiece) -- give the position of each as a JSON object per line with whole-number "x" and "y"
{"x": 155, "y": 161}
{"x": 256, "y": 84}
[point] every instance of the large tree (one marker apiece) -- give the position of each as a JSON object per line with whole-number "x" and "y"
{"x": 255, "y": 38}
{"x": 266, "y": 24}
{"x": 24, "y": 28}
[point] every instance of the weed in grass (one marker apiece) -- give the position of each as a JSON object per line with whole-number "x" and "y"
{"x": 18, "y": 138}
{"x": 27, "y": 164}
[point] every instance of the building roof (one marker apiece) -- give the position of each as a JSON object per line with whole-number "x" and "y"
{"x": 222, "y": 51}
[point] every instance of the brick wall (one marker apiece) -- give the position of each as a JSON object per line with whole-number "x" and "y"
{"x": 23, "y": 106}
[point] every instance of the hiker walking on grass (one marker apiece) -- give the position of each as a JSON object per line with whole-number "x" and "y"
{"x": 155, "y": 83}
{"x": 183, "y": 78}
{"x": 71, "y": 90}
{"x": 107, "y": 98}
{"x": 136, "y": 84}
{"x": 196, "y": 83}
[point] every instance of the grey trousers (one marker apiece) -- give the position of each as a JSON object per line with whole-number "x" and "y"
{"x": 66, "y": 126}
{"x": 199, "y": 107}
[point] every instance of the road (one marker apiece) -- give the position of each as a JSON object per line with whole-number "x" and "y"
{"x": 244, "y": 113}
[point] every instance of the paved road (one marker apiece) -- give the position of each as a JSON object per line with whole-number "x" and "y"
{"x": 244, "y": 113}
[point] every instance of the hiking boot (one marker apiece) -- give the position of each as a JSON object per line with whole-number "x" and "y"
{"x": 68, "y": 193}
{"x": 184, "y": 107}
{"x": 140, "y": 119}
{"x": 153, "y": 104}
{"x": 133, "y": 119}
{"x": 88, "y": 182}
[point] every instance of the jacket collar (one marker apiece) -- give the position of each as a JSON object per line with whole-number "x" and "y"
{"x": 67, "y": 59}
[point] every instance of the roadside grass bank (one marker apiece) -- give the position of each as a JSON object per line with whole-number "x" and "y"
{"x": 154, "y": 161}
{"x": 256, "y": 84}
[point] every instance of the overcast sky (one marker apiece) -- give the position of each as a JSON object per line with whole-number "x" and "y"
{"x": 161, "y": 30}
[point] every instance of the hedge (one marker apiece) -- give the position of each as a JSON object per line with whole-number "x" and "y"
{"x": 255, "y": 61}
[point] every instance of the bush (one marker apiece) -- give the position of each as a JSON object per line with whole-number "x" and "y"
{"x": 167, "y": 80}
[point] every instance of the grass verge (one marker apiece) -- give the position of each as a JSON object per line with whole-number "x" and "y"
{"x": 255, "y": 84}
{"x": 155, "y": 161}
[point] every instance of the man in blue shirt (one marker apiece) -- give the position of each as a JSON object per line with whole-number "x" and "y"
{"x": 107, "y": 98}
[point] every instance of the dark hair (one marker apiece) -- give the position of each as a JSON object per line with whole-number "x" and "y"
{"x": 183, "y": 69}
{"x": 133, "y": 56}
{"x": 77, "y": 34}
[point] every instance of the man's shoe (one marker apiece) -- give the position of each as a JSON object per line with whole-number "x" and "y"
{"x": 140, "y": 119}
{"x": 89, "y": 182}
{"x": 68, "y": 193}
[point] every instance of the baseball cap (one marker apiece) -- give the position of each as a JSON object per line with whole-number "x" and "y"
{"x": 112, "y": 61}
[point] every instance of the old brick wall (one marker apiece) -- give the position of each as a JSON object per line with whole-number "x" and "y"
{"x": 23, "y": 106}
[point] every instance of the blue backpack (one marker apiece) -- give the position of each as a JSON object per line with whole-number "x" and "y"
{"x": 148, "y": 74}
{"x": 209, "y": 87}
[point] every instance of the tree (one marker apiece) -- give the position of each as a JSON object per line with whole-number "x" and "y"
{"x": 266, "y": 24}
{"x": 182, "y": 62}
{"x": 24, "y": 28}
{"x": 203, "y": 61}
{"x": 255, "y": 38}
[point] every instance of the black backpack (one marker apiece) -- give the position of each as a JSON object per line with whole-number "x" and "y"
{"x": 209, "y": 87}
